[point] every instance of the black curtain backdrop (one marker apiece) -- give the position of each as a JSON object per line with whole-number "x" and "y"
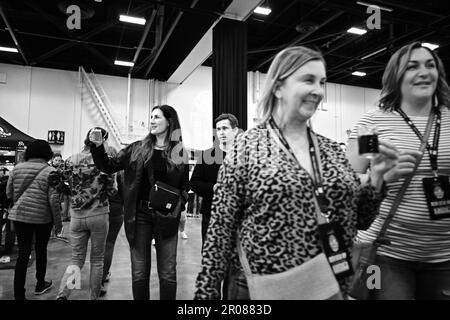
{"x": 229, "y": 70}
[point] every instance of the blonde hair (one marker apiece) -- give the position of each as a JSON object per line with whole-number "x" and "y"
{"x": 285, "y": 63}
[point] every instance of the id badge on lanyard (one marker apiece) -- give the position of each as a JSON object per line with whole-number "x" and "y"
{"x": 437, "y": 192}
{"x": 331, "y": 235}
{"x": 437, "y": 189}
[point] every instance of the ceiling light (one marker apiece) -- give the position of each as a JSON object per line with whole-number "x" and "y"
{"x": 124, "y": 63}
{"x": 430, "y": 46}
{"x": 263, "y": 10}
{"x": 373, "y": 53}
{"x": 374, "y": 5}
{"x": 359, "y": 73}
{"x": 8, "y": 49}
{"x": 130, "y": 19}
{"x": 356, "y": 31}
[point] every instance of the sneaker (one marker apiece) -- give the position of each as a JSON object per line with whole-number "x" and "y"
{"x": 102, "y": 291}
{"x": 43, "y": 288}
{"x": 108, "y": 276}
{"x": 184, "y": 236}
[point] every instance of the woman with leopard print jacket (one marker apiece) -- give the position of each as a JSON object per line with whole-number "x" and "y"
{"x": 265, "y": 194}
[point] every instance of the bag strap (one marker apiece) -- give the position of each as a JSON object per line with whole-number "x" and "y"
{"x": 381, "y": 239}
{"x": 30, "y": 182}
{"x": 242, "y": 257}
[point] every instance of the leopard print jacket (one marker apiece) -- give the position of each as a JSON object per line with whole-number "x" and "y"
{"x": 262, "y": 194}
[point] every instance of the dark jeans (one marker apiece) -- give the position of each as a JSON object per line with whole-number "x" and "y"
{"x": 166, "y": 258}
{"x": 25, "y": 232}
{"x": 115, "y": 223}
{"x": 406, "y": 280}
{"x": 236, "y": 288}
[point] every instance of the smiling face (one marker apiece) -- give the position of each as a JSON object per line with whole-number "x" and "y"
{"x": 158, "y": 123}
{"x": 421, "y": 76}
{"x": 301, "y": 93}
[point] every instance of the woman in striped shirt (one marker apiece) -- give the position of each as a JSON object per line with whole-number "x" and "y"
{"x": 416, "y": 264}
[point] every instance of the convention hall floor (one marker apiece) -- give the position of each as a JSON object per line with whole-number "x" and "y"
{"x": 119, "y": 287}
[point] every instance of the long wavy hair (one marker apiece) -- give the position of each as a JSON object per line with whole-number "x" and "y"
{"x": 175, "y": 153}
{"x": 391, "y": 96}
{"x": 285, "y": 63}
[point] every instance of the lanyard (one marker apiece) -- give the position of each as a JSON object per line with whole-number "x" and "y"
{"x": 432, "y": 150}
{"x": 317, "y": 179}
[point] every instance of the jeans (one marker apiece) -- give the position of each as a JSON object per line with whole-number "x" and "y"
{"x": 237, "y": 288}
{"x": 25, "y": 232}
{"x": 81, "y": 229}
{"x": 115, "y": 223}
{"x": 166, "y": 258}
{"x": 408, "y": 280}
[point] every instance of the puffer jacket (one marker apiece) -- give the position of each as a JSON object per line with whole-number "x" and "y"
{"x": 39, "y": 204}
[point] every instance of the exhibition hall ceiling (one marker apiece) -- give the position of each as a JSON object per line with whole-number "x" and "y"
{"x": 47, "y": 33}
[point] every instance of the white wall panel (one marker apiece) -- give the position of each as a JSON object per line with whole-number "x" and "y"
{"x": 36, "y": 100}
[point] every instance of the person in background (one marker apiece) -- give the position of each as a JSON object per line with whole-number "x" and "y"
{"x": 159, "y": 157}
{"x": 4, "y": 201}
{"x": 32, "y": 189}
{"x": 416, "y": 264}
{"x": 265, "y": 191}
{"x": 57, "y": 161}
{"x": 89, "y": 208}
{"x": 204, "y": 178}
{"x": 205, "y": 171}
{"x": 115, "y": 224}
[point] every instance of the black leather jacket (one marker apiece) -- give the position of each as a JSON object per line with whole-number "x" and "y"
{"x": 132, "y": 179}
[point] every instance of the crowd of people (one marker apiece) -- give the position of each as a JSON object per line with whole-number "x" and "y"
{"x": 279, "y": 200}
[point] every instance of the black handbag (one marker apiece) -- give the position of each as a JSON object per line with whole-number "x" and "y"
{"x": 163, "y": 197}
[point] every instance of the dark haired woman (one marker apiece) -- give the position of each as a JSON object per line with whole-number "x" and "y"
{"x": 416, "y": 264}
{"x": 89, "y": 208}
{"x": 161, "y": 157}
{"x": 35, "y": 210}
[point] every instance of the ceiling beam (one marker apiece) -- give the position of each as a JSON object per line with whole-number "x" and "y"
{"x": 158, "y": 38}
{"x": 148, "y": 25}
{"x": 300, "y": 38}
{"x": 86, "y": 36}
{"x": 239, "y": 10}
{"x": 168, "y": 34}
{"x": 56, "y": 23}
{"x": 11, "y": 32}
{"x": 286, "y": 29}
{"x": 409, "y": 8}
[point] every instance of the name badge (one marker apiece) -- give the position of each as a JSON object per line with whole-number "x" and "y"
{"x": 331, "y": 236}
{"x": 437, "y": 192}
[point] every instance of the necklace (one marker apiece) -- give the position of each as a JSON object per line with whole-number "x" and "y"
{"x": 161, "y": 147}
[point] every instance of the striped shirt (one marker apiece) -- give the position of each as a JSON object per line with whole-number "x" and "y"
{"x": 414, "y": 236}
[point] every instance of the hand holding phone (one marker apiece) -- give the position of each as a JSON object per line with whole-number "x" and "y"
{"x": 95, "y": 136}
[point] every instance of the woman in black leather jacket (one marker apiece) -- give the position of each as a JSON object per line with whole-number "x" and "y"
{"x": 160, "y": 156}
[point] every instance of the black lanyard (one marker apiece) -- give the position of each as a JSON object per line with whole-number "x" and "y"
{"x": 315, "y": 162}
{"x": 432, "y": 150}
